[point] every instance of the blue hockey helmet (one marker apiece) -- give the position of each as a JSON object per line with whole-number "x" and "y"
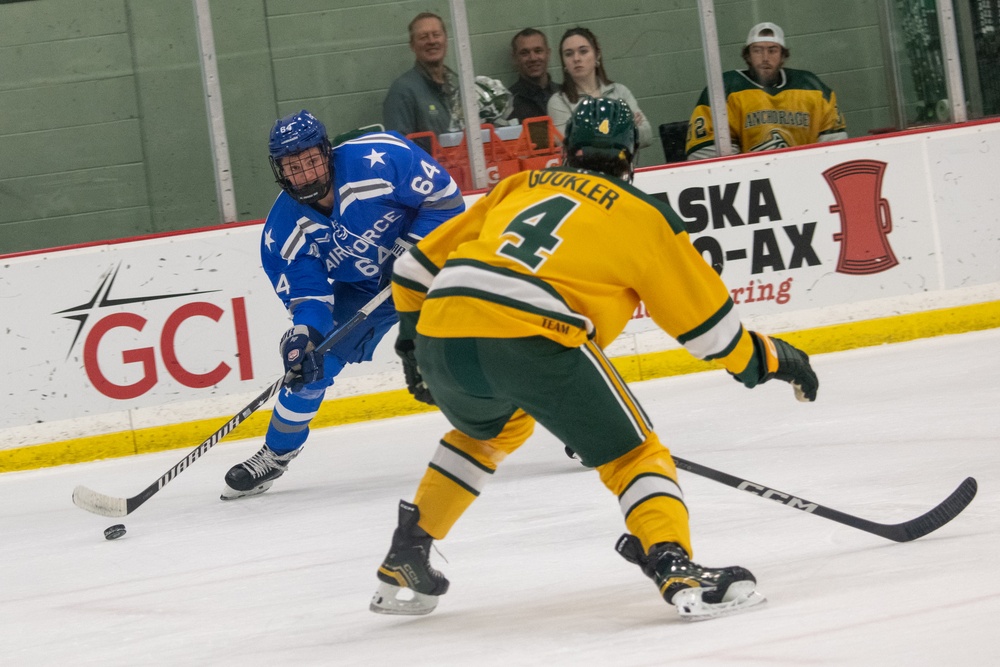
{"x": 290, "y": 138}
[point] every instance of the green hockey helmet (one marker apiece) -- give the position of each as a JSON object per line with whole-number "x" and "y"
{"x": 601, "y": 136}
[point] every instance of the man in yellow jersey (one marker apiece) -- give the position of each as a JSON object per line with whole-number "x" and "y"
{"x": 504, "y": 314}
{"x": 769, "y": 106}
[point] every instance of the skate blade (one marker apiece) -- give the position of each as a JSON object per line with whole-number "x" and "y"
{"x": 396, "y": 600}
{"x": 740, "y": 597}
{"x": 229, "y": 493}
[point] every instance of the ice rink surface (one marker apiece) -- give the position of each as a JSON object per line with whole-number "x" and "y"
{"x": 285, "y": 578}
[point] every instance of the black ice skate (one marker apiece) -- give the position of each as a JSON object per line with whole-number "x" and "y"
{"x": 698, "y": 592}
{"x": 408, "y": 584}
{"x": 256, "y": 475}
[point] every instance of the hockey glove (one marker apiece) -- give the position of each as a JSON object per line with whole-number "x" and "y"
{"x": 785, "y": 362}
{"x": 414, "y": 380}
{"x": 298, "y": 354}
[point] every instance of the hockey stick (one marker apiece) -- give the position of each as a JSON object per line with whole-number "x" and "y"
{"x": 907, "y": 531}
{"x": 105, "y": 505}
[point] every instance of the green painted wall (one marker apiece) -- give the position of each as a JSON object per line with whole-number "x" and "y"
{"x": 103, "y": 129}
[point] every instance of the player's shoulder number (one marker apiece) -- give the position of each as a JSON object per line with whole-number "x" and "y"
{"x": 283, "y": 286}
{"x": 423, "y": 185}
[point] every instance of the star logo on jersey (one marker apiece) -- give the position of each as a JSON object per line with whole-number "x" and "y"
{"x": 268, "y": 239}
{"x": 374, "y": 157}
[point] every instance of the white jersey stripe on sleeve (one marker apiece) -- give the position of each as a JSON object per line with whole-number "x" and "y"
{"x": 447, "y": 198}
{"x": 378, "y": 139}
{"x": 409, "y": 268}
{"x": 716, "y": 339}
{"x": 451, "y": 189}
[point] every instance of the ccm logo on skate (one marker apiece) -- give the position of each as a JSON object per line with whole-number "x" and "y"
{"x": 411, "y": 576}
{"x": 144, "y": 358}
{"x": 782, "y": 498}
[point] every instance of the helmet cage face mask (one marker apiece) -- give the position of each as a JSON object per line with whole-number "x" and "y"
{"x": 291, "y": 138}
{"x": 601, "y": 136}
{"x": 306, "y": 193}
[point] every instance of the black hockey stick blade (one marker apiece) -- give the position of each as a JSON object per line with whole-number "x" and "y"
{"x": 105, "y": 505}
{"x": 906, "y": 531}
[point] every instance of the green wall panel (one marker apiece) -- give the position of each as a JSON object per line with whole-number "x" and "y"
{"x": 179, "y": 170}
{"x": 281, "y": 7}
{"x": 339, "y": 113}
{"x": 336, "y": 30}
{"x": 68, "y": 105}
{"x": 51, "y": 63}
{"x": 80, "y": 191}
{"x": 58, "y": 20}
{"x": 338, "y": 73}
{"x": 72, "y": 229}
{"x": 54, "y": 151}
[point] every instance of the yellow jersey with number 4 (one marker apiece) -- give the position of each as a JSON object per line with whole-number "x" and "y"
{"x": 567, "y": 254}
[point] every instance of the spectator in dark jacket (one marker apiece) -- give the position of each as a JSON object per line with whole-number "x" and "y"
{"x": 530, "y": 52}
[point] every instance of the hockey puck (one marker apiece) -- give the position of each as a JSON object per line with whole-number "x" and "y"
{"x": 114, "y": 532}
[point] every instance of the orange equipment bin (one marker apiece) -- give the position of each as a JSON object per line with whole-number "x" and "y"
{"x": 536, "y": 146}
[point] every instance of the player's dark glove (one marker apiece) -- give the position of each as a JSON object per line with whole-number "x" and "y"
{"x": 298, "y": 354}
{"x": 414, "y": 380}
{"x": 785, "y": 362}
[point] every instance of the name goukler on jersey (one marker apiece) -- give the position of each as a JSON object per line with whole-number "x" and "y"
{"x": 595, "y": 190}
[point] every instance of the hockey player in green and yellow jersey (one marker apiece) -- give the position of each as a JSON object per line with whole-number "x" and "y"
{"x": 769, "y": 106}
{"x": 504, "y": 314}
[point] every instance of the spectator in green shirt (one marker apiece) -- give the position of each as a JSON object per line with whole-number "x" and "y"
{"x": 426, "y": 97}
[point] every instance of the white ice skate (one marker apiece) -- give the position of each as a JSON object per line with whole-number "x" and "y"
{"x": 739, "y": 596}
{"x": 401, "y": 601}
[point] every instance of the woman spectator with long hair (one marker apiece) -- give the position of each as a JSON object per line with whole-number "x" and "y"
{"x": 584, "y": 76}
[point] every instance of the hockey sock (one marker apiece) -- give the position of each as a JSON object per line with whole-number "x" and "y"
{"x": 645, "y": 482}
{"x": 460, "y": 469}
{"x": 455, "y": 476}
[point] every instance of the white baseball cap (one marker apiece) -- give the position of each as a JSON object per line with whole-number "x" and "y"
{"x": 777, "y": 34}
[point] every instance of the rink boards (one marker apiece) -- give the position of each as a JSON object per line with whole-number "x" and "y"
{"x": 150, "y": 344}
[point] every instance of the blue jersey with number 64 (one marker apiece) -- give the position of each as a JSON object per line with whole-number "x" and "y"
{"x": 388, "y": 194}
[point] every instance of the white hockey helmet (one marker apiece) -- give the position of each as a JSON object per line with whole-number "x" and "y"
{"x": 495, "y": 101}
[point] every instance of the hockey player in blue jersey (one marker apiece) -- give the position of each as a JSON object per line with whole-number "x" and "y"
{"x": 328, "y": 244}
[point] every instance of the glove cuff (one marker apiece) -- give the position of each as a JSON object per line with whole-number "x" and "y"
{"x": 756, "y": 371}
{"x": 768, "y": 354}
{"x": 315, "y": 336}
{"x": 404, "y": 345}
